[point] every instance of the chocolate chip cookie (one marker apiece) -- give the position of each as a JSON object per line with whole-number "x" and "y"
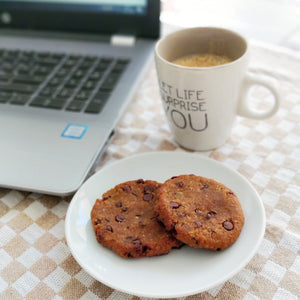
{"x": 200, "y": 212}
{"x": 125, "y": 221}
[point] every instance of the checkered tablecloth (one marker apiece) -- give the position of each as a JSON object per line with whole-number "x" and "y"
{"x": 35, "y": 262}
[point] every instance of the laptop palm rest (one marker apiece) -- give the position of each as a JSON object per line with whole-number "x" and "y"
{"x": 61, "y": 149}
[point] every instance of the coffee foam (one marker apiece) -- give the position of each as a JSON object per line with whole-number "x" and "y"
{"x": 202, "y": 60}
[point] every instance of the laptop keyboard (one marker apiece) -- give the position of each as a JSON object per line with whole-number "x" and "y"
{"x": 58, "y": 81}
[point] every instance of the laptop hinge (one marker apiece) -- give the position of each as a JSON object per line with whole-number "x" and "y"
{"x": 122, "y": 40}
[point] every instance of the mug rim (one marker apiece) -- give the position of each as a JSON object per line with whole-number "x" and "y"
{"x": 158, "y": 55}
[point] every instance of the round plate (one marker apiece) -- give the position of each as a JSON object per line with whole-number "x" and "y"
{"x": 182, "y": 272}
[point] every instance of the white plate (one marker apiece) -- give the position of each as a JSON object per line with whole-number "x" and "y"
{"x": 182, "y": 272}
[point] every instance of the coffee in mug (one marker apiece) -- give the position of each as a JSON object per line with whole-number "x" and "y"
{"x": 201, "y": 102}
{"x": 202, "y": 60}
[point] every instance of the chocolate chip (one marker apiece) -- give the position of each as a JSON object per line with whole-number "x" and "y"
{"x": 173, "y": 228}
{"x": 119, "y": 204}
{"x": 126, "y": 188}
{"x": 212, "y": 233}
{"x": 148, "y": 189}
{"x": 174, "y": 205}
{"x": 138, "y": 246}
{"x": 181, "y": 214}
{"x": 140, "y": 180}
{"x": 198, "y": 212}
{"x": 148, "y": 197}
{"x": 210, "y": 214}
{"x": 107, "y": 219}
{"x": 109, "y": 228}
{"x": 136, "y": 242}
{"x": 119, "y": 218}
{"x": 134, "y": 194}
{"x": 174, "y": 177}
{"x": 142, "y": 224}
{"x": 228, "y": 225}
{"x": 205, "y": 185}
{"x": 195, "y": 240}
{"x": 105, "y": 198}
{"x": 97, "y": 221}
{"x": 198, "y": 224}
{"x": 124, "y": 209}
{"x": 180, "y": 184}
{"x": 155, "y": 216}
{"x": 99, "y": 235}
{"x": 230, "y": 193}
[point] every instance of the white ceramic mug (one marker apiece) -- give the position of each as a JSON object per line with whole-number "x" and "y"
{"x": 201, "y": 103}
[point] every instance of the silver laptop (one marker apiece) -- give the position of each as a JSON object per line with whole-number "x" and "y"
{"x": 68, "y": 68}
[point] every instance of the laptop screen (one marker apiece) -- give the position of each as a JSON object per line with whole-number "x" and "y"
{"x": 111, "y": 6}
{"x": 135, "y": 17}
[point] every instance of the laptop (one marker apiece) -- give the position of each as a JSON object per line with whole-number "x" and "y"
{"x": 68, "y": 69}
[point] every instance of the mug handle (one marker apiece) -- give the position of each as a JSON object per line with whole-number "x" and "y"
{"x": 244, "y": 108}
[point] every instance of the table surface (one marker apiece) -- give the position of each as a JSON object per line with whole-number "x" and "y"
{"x": 35, "y": 260}
{"x": 272, "y": 21}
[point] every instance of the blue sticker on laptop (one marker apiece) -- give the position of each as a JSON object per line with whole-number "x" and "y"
{"x": 74, "y": 131}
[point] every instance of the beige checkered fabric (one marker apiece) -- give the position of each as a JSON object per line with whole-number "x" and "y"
{"x": 35, "y": 262}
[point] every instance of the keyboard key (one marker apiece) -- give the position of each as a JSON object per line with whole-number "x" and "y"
{"x": 89, "y": 85}
{"x": 83, "y": 95}
{"x": 80, "y": 73}
{"x": 107, "y": 59}
{"x": 47, "y": 91}
{"x": 18, "y": 87}
{"x": 7, "y": 66}
{"x": 91, "y": 58}
{"x": 5, "y": 96}
{"x": 65, "y": 93}
{"x": 19, "y": 99}
{"x": 103, "y": 65}
{"x": 63, "y": 72}
{"x": 123, "y": 61}
{"x": 55, "y": 103}
{"x": 47, "y": 61}
{"x": 72, "y": 83}
{"x": 23, "y": 69}
{"x": 4, "y": 78}
{"x": 42, "y": 70}
{"x": 28, "y": 79}
{"x": 75, "y": 105}
{"x": 86, "y": 65}
{"x": 39, "y": 101}
{"x": 119, "y": 67}
{"x": 29, "y": 54}
{"x": 55, "y": 81}
{"x": 94, "y": 107}
{"x": 96, "y": 75}
{"x": 101, "y": 96}
{"x": 58, "y": 55}
{"x": 42, "y": 54}
{"x": 71, "y": 62}
{"x": 110, "y": 82}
